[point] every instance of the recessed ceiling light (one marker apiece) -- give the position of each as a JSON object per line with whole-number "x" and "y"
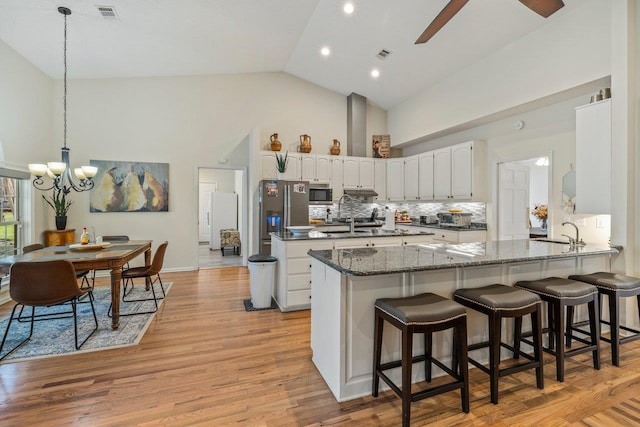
{"x": 348, "y": 8}
{"x": 325, "y": 51}
{"x": 375, "y": 73}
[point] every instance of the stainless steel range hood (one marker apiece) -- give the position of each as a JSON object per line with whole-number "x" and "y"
{"x": 356, "y": 125}
{"x": 360, "y": 193}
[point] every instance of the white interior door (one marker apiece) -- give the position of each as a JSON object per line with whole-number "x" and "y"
{"x": 513, "y": 201}
{"x": 204, "y": 209}
{"x": 224, "y": 214}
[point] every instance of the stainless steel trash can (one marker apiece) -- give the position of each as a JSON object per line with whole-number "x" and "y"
{"x": 261, "y": 273}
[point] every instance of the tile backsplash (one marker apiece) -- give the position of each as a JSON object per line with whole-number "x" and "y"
{"x": 361, "y": 209}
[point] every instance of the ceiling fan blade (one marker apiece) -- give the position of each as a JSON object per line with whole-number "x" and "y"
{"x": 544, "y": 8}
{"x": 443, "y": 17}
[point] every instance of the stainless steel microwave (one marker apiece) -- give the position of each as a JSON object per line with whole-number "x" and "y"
{"x": 320, "y": 195}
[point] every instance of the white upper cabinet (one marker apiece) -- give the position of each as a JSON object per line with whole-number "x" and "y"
{"x": 459, "y": 172}
{"x": 336, "y": 178}
{"x": 411, "y": 178}
{"x": 395, "y": 179}
{"x": 358, "y": 173}
{"x": 316, "y": 169}
{"x": 593, "y": 158}
{"x": 442, "y": 173}
{"x": 425, "y": 168}
{"x": 381, "y": 180}
{"x": 268, "y": 166}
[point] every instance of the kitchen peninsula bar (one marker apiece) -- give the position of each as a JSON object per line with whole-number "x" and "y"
{"x": 346, "y": 282}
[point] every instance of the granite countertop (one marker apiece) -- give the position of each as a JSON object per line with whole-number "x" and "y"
{"x": 474, "y": 227}
{"x": 389, "y": 260}
{"x": 359, "y": 232}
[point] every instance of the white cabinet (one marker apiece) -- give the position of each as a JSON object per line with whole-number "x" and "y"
{"x": 452, "y": 236}
{"x": 459, "y": 172}
{"x": 593, "y": 158}
{"x": 425, "y": 174}
{"x": 358, "y": 173}
{"x": 380, "y": 173}
{"x": 268, "y": 166}
{"x": 315, "y": 169}
{"x": 395, "y": 179}
{"x": 363, "y": 242}
{"x": 293, "y": 272}
{"x": 336, "y": 178}
{"x": 411, "y": 178}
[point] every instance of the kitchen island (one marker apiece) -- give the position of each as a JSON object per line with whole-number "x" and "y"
{"x": 345, "y": 284}
{"x": 293, "y": 269}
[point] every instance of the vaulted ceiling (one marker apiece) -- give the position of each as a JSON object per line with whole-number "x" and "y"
{"x": 200, "y": 37}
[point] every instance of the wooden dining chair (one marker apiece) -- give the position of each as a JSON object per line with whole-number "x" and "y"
{"x": 80, "y": 274}
{"x": 46, "y": 284}
{"x": 148, "y": 271}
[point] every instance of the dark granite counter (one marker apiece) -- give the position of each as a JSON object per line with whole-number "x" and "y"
{"x": 388, "y": 260}
{"x": 474, "y": 227}
{"x": 358, "y": 233}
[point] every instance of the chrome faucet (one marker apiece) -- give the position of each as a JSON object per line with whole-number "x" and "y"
{"x": 577, "y": 241}
{"x": 352, "y": 226}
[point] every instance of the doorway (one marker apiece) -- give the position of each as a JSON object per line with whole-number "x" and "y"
{"x": 221, "y": 201}
{"x": 524, "y": 197}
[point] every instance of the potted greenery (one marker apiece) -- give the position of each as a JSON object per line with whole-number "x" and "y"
{"x": 60, "y": 206}
{"x": 281, "y": 163}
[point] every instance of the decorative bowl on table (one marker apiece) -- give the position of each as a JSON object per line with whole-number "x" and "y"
{"x": 299, "y": 230}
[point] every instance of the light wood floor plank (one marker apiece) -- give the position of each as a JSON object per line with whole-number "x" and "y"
{"x": 205, "y": 361}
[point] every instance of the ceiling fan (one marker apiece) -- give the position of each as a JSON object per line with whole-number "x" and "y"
{"x": 544, "y": 8}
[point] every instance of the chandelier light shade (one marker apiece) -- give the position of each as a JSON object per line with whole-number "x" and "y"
{"x": 60, "y": 172}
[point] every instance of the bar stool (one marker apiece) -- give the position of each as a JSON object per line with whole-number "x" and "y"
{"x": 615, "y": 286}
{"x": 424, "y": 313}
{"x": 499, "y": 302}
{"x": 560, "y": 293}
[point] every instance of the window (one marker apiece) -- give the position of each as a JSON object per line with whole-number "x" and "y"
{"x": 10, "y": 218}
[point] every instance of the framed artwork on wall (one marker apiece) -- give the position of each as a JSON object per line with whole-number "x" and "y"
{"x": 130, "y": 187}
{"x": 381, "y": 146}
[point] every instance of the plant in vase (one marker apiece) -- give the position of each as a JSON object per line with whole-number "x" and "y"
{"x": 60, "y": 206}
{"x": 541, "y": 212}
{"x": 281, "y": 164}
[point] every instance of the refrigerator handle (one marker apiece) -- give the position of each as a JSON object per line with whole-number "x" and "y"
{"x": 287, "y": 206}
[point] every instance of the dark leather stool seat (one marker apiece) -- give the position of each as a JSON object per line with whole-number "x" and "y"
{"x": 425, "y": 313}
{"x": 560, "y": 293}
{"x": 615, "y": 286}
{"x": 498, "y": 302}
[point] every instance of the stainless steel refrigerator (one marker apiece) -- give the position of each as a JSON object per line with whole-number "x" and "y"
{"x": 282, "y": 204}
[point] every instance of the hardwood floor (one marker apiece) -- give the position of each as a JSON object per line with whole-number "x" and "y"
{"x": 205, "y": 361}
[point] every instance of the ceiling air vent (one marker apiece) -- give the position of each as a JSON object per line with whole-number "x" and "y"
{"x": 383, "y": 54}
{"x": 108, "y": 12}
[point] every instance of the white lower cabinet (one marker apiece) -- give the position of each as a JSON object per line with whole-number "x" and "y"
{"x": 293, "y": 272}
{"x": 452, "y": 236}
{"x": 366, "y": 242}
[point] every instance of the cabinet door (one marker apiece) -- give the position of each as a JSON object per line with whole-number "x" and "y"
{"x": 462, "y": 171}
{"x": 367, "y": 174}
{"x": 323, "y": 169}
{"x": 293, "y": 172}
{"x": 348, "y": 243}
{"x": 411, "y": 178}
{"x": 425, "y": 175}
{"x": 395, "y": 179}
{"x": 442, "y": 174}
{"x": 421, "y": 239}
{"x": 386, "y": 241}
{"x": 446, "y": 236}
{"x": 308, "y": 166}
{"x": 381, "y": 180}
{"x": 350, "y": 173}
{"x": 268, "y": 165}
{"x": 336, "y": 178}
{"x": 593, "y": 158}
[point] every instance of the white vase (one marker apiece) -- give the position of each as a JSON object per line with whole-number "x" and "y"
{"x": 280, "y": 175}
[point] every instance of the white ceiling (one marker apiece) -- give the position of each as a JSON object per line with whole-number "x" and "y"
{"x": 196, "y": 37}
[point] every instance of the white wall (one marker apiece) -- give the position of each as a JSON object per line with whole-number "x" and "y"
{"x": 26, "y": 120}
{"x": 186, "y": 122}
{"x": 567, "y": 52}
{"x": 224, "y": 177}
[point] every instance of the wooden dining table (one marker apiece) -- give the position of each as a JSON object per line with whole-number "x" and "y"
{"x": 92, "y": 257}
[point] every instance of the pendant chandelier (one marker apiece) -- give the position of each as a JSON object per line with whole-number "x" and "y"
{"x": 60, "y": 172}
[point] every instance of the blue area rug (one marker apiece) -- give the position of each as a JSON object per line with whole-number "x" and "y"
{"x": 55, "y": 337}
